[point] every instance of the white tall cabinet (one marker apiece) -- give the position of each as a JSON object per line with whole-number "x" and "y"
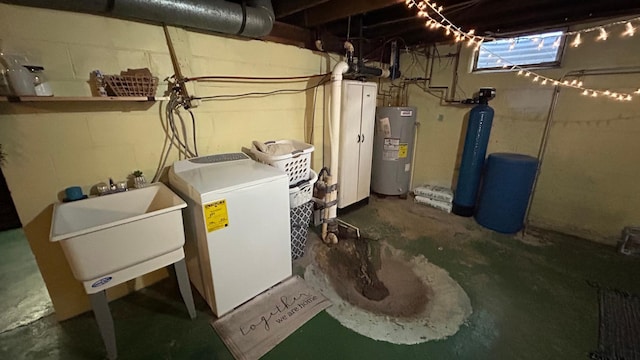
{"x": 356, "y": 141}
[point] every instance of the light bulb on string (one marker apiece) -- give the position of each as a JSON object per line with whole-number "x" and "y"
{"x": 440, "y": 9}
{"x": 556, "y": 43}
{"x": 478, "y": 46}
{"x": 577, "y": 41}
{"x": 535, "y": 39}
{"x": 527, "y": 74}
{"x": 607, "y": 92}
{"x": 603, "y": 34}
{"x": 544, "y": 82}
{"x": 586, "y": 92}
{"x": 629, "y": 29}
{"x": 520, "y": 72}
{"x": 556, "y": 83}
{"x": 541, "y": 45}
{"x": 504, "y": 66}
{"x": 566, "y": 82}
{"x": 448, "y": 29}
{"x": 637, "y": 91}
{"x": 579, "y": 83}
{"x": 574, "y": 82}
{"x": 535, "y": 79}
{"x": 594, "y": 94}
{"x": 628, "y": 98}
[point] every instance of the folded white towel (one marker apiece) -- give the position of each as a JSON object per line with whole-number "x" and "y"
{"x": 274, "y": 149}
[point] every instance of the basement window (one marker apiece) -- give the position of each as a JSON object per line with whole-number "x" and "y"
{"x": 535, "y": 50}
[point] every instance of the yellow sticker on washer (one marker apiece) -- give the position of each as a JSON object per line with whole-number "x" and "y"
{"x": 215, "y": 215}
{"x": 402, "y": 151}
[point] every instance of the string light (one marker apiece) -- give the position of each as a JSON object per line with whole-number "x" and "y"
{"x": 426, "y": 6}
{"x": 576, "y": 42}
{"x": 436, "y": 20}
{"x": 629, "y": 29}
{"x": 603, "y": 35}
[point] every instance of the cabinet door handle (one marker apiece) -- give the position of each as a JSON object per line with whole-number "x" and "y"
{"x": 362, "y": 138}
{"x": 358, "y": 137}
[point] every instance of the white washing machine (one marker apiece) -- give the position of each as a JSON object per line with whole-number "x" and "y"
{"x": 237, "y": 236}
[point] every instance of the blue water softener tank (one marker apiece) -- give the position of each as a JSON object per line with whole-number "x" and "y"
{"x": 505, "y": 192}
{"x": 473, "y": 154}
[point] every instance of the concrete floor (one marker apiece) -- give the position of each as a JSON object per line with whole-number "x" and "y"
{"x": 530, "y": 296}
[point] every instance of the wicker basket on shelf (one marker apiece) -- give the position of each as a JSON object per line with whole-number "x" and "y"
{"x": 131, "y": 85}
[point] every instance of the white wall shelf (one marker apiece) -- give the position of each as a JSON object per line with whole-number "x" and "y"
{"x": 18, "y": 99}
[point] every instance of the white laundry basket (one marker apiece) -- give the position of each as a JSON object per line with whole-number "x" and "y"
{"x": 296, "y": 164}
{"x": 302, "y": 193}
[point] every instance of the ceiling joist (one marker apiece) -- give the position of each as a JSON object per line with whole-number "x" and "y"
{"x": 288, "y": 7}
{"x": 340, "y": 9}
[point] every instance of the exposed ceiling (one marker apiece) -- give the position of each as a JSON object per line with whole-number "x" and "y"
{"x": 304, "y": 21}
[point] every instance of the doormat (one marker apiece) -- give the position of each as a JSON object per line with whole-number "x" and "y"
{"x": 619, "y": 337}
{"x": 257, "y": 326}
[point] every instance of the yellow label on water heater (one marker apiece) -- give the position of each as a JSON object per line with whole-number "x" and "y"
{"x": 215, "y": 215}
{"x": 402, "y": 151}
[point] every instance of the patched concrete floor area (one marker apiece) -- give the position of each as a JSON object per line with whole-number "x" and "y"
{"x": 532, "y": 298}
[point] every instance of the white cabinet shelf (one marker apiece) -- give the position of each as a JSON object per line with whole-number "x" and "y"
{"x": 357, "y": 122}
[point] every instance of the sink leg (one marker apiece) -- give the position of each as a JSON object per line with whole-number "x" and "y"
{"x": 185, "y": 287}
{"x": 101, "y": 311}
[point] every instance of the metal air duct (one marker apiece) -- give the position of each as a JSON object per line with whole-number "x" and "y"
{"x": 251, "y": 18}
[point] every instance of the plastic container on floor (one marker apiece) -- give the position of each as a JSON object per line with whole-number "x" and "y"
{"x": 505, "y": 191}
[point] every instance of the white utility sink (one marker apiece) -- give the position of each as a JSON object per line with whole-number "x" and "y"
{"x": 114, "y": 238}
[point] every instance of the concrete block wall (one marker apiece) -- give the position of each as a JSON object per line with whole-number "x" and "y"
{"x": 52, "y": 146}
{"x": 587, "y": 185}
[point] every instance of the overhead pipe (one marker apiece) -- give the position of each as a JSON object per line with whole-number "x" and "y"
{"x": 330, "y": 224}
{"x": 251, "y": 18}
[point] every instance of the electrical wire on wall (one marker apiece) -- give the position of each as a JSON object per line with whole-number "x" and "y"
{"x": 174, "y": 125}
{"x": 176, "y": 133}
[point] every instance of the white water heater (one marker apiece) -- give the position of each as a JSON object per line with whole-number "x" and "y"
{"x": 393, "y": 150}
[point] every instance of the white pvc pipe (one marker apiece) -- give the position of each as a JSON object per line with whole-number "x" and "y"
{"x": 334, "y": 138}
